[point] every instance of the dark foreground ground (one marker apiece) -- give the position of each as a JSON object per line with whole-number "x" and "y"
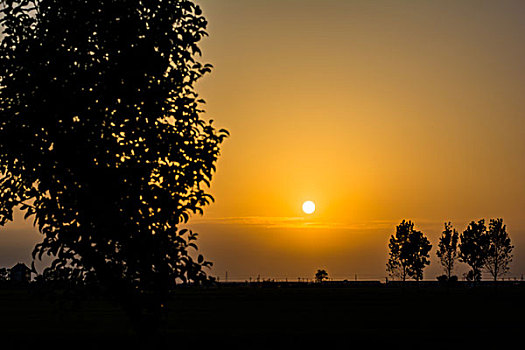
{"x": 249, "y": 317}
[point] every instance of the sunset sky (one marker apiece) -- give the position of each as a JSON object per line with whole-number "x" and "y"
{"x": 377, "y": 111}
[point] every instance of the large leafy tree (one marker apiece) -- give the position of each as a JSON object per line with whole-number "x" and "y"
{"x": 448, "y": 248}
{"x": 473, "y": 248}
{"x": 499, "y": 249}
{"x": 408, "y": 252}
{"x": 102, "y": 141}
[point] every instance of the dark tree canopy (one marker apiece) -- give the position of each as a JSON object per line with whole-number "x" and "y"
{"x": 448, "y": 248}
{"x": 101, "y": 138}
{"x": 408, "y": 252}
{"x": 321, "y": 275}
{"x": 473, "y": 248}
{"x": 499, "y": 250}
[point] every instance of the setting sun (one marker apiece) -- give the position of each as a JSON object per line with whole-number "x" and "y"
{"x": 308, "y": 207}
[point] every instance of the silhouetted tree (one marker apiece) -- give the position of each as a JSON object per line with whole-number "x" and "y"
{"x": 448, "y": 248}
{"x": 321, "y": 275}
{"x": 101, "y": 139}
{"x": 499, "y": 254}
{"x": 4, "y": 274}
{"x": 409, "y": 252}
{"x": 473, "y": 248}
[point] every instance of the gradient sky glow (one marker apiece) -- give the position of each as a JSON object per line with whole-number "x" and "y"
{"x": 377, "y": 111}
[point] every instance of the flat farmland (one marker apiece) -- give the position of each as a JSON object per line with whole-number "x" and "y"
{"x": 269, "y": 317}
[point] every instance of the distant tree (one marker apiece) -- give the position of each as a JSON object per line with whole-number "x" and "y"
{"x": 102, "y": 142}
{"x": 499, "y": 254}
{"x": 408, "y": 252}
{"x": 420, "y": 246}
{"x": 448, "y": 249}
{"x": 398, "y": 263}
{"x": 321, "y": 275}
{"x": 473, "y": 248}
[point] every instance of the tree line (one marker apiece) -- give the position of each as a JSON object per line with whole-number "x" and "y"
{"x": 482, "y": 248}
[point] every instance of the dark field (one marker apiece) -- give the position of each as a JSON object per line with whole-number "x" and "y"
{"x": 279, "y": 317}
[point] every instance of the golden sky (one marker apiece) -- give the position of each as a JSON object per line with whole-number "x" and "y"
{"x": 377, "y": 111}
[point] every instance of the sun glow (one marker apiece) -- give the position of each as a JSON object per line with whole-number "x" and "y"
{"x": 308, "y": 207}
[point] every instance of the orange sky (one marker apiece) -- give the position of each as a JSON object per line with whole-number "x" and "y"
{"x": 376, "y": 110}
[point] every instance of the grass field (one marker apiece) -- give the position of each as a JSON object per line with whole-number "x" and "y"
{"x": 279, "y": 317}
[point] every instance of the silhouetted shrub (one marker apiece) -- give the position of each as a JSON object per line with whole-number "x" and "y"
{"x": 442, "y": 279}
{"x": 320, "y": 276}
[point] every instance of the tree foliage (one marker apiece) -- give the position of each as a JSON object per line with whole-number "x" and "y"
{"x": 448, "y": 248}
{"x": 101, "y": 137}
{"x": 408, "y": 252}
{"x": 321, "y": 275}
{"x": 473, "y": 248}
{"x": 499, "y": 250}
{"x": 4, "y": 274}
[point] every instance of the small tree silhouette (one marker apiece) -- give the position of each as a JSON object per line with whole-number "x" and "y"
{"x": 448, "y": 248}
{"x": 408, "y": 252}
{"x": 473, "y": 248}
{"x": 499, "y": 254}
{"x": 321, "y": 275}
